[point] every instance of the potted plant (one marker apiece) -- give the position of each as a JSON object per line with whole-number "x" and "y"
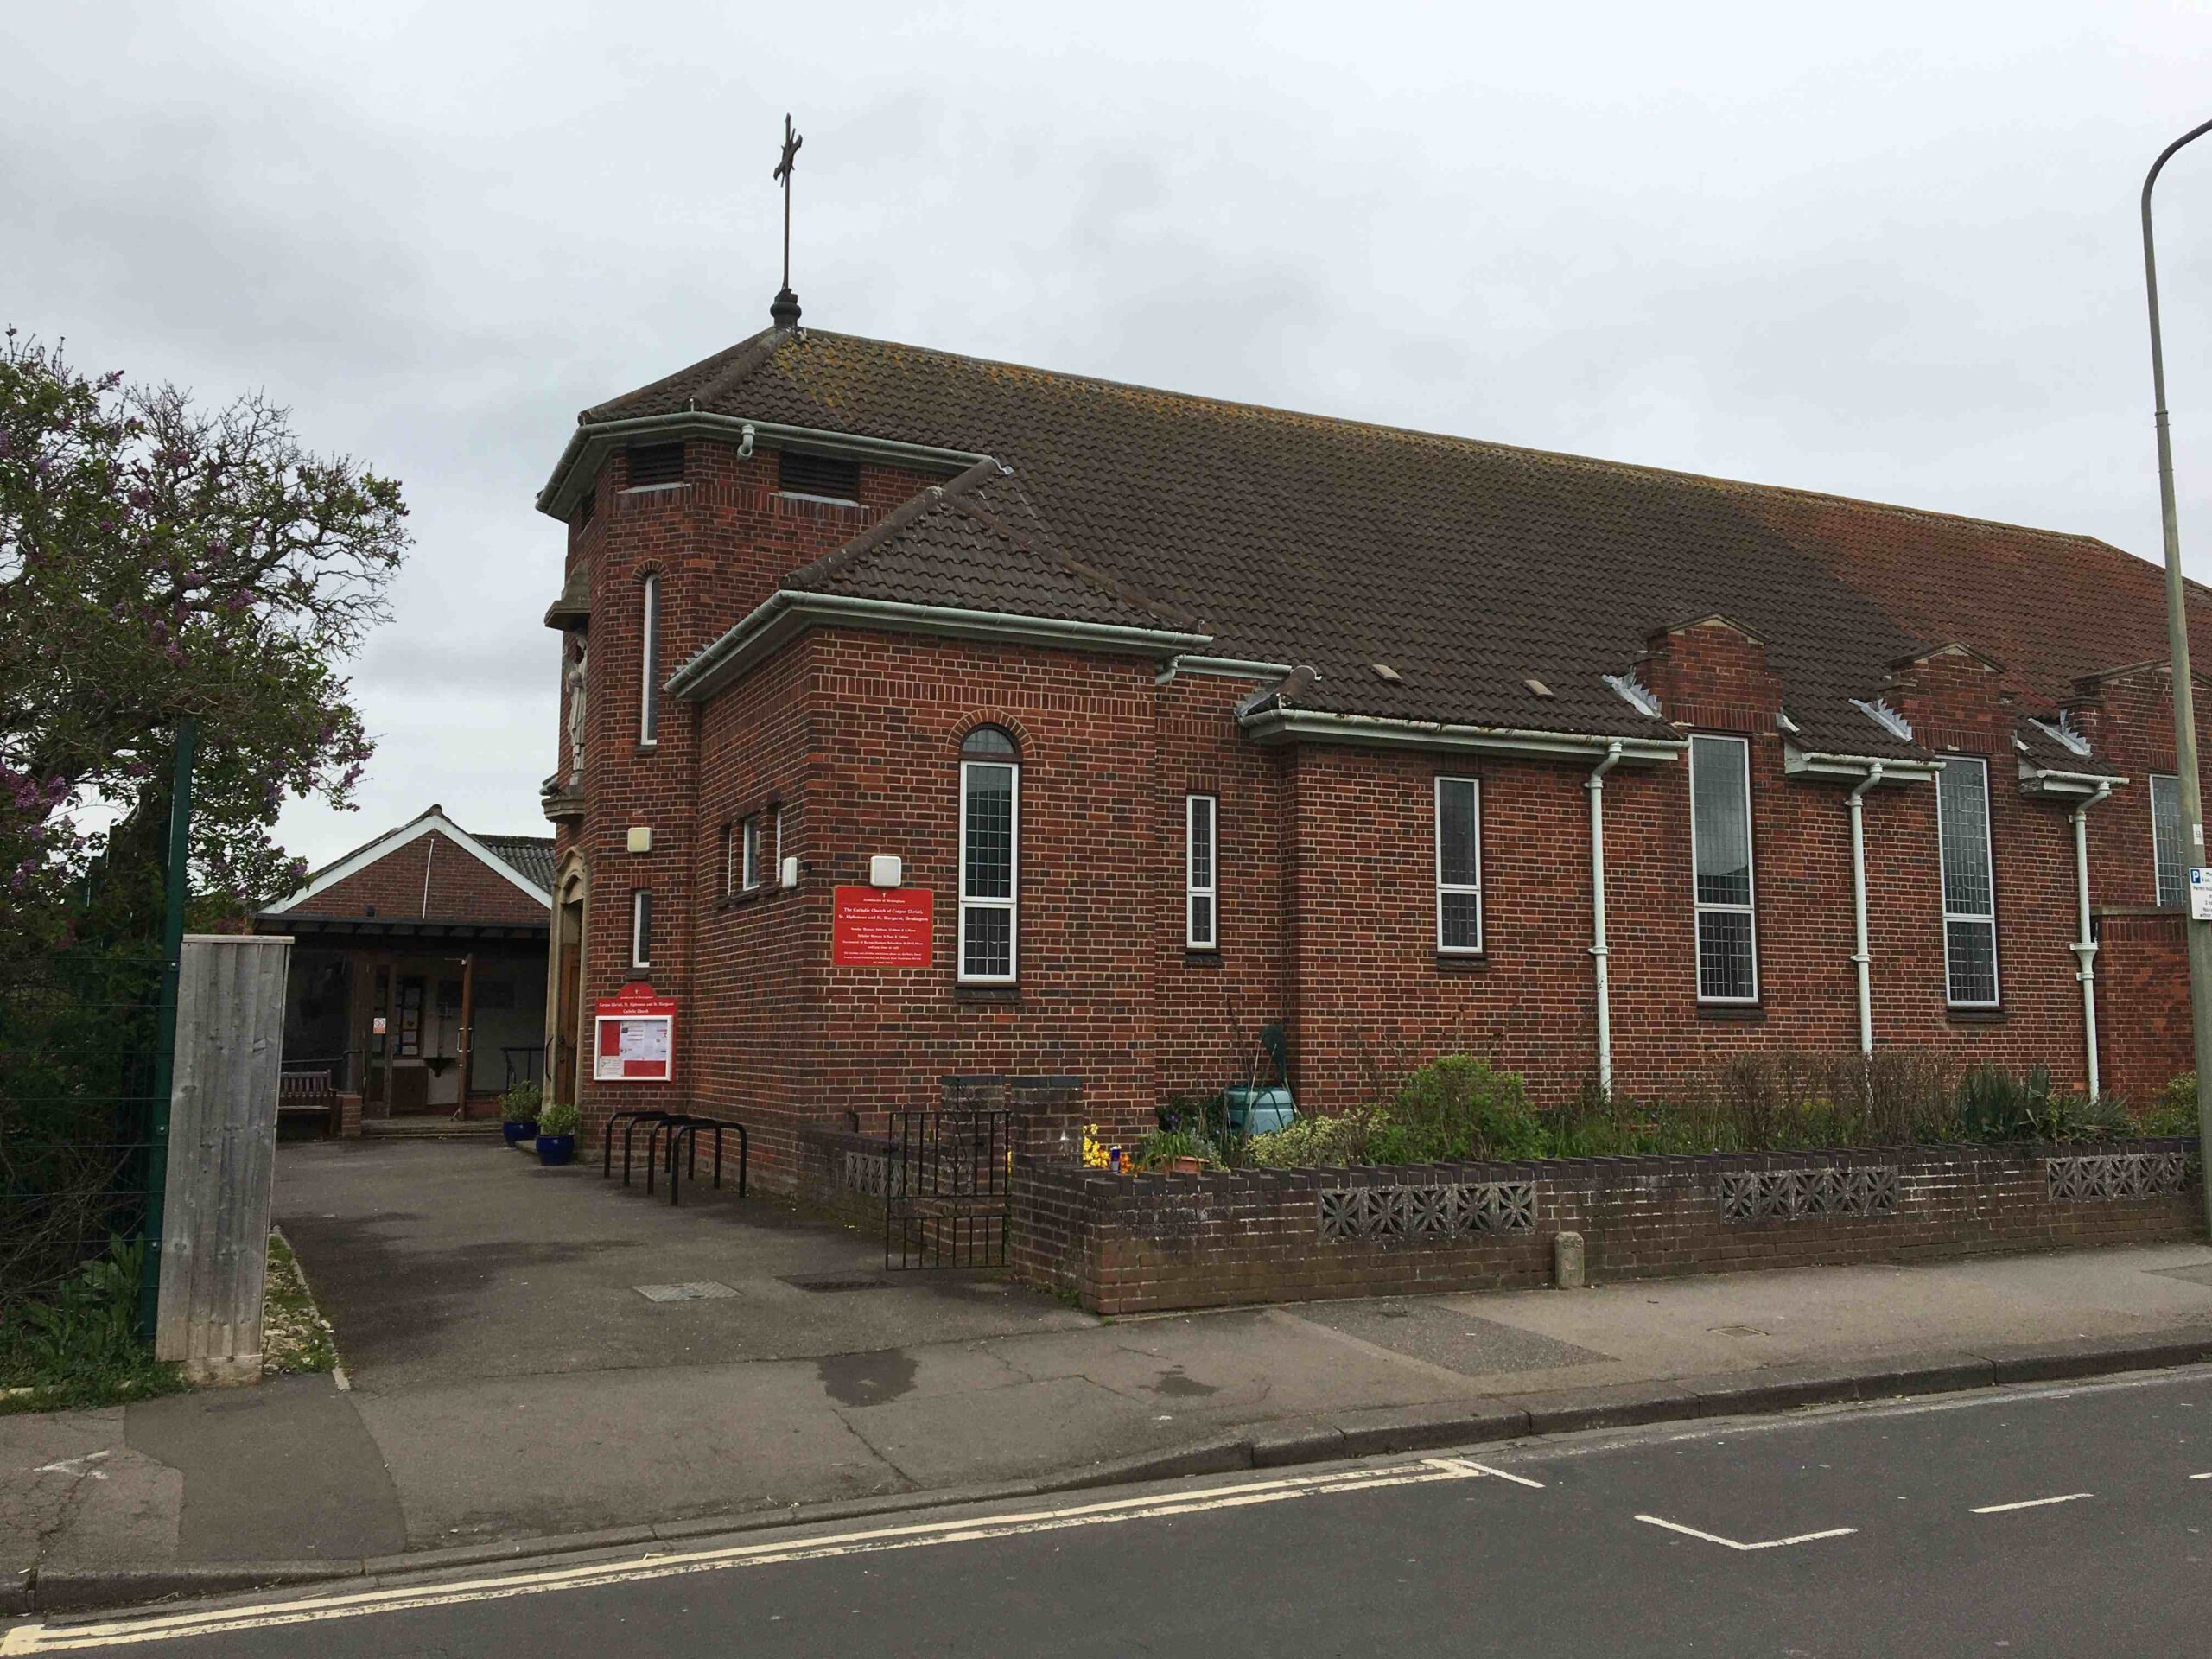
{"x": 518, "y": 1112}
{"x": 557, "y": 1133}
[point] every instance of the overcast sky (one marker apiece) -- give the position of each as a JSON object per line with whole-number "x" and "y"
{"x": 1888, "y": 250}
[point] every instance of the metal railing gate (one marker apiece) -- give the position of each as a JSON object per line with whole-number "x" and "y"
{"x": 946, "y": 1190}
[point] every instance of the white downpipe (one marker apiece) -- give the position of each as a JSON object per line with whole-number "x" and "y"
{"x": 1861, "y": 957}
{"x": 1597, "y": 952}
{"x": 2085, "y": 947}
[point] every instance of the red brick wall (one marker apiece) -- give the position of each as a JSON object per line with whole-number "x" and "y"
{"x": 719, "y": 543}
{"x": 461, "y": 888}
{"x": 1124, "y": 1244}
{"x": 1326, "y": 896}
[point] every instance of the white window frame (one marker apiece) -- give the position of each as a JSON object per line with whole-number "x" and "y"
{"x": 1209, "y": 889}
{"x": 749, "y": 853}
{"x": 2180, "y": 900}
{"x": 648, "y": 662}
{"x": 1943, "y": 881}
{"x": 1699, "y": 906}
{"x": 1444, "y": 888}
{"x": 641, "y": 927}
{"x": 1011, "y": 902}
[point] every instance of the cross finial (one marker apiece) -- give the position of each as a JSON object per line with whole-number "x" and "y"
{"x": 784, "y": 313}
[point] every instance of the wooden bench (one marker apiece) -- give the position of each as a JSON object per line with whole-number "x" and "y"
{"x": 308, "y": 1093}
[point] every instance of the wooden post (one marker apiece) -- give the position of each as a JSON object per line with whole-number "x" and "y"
{"x": 230, "y": 1044}
{"x": 467, "y": 1032}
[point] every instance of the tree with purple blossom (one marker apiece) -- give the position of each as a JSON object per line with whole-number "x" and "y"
{"x": 160, "y": 558}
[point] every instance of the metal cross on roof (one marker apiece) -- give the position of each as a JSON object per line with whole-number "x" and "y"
{"x": 784, "y": 312}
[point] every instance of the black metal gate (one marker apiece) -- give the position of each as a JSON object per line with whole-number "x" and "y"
{"x": 945, "y": 1189}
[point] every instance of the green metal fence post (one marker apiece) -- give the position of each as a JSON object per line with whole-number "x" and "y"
{"x": 157, "y": 1129}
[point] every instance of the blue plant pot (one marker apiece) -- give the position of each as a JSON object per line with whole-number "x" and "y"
{"x": 555, "y": 1148}
{"x": 525, "y": 1130}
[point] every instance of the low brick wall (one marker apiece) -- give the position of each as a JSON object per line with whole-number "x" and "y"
{"x": 843, "y": 1172}
{"x": 1125, "y": 1244}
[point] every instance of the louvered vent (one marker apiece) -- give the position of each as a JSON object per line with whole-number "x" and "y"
{"x": 656, "y": 463}
{"x": 824, "y": 476}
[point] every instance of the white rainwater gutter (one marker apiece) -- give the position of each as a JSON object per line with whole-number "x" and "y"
{"x": 1861, "y": 957}
{"x": 2085, "y": 947}
{"x": 1597, "y": 951}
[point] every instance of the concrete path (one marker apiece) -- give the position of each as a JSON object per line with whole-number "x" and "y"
{"x": 514, "y": 1376}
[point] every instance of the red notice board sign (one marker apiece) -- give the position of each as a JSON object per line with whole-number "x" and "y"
{"x": 881, "y": 927}
{"x": 634, "y": 1037}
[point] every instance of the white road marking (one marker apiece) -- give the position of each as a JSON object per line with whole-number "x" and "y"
{"x": 2029, "y": 1504}
{"x": 1730, "y": 1543}
{"x": 1472, "y": 1467}
{"x": 39, "y": 1638}
{"x": 76, "y": 1466}
{"x": 2207, "y": 1474}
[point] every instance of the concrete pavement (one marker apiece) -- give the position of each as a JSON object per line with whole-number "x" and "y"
{"x": 512, "y": 1381}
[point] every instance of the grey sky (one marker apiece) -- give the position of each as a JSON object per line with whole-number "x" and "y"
{"x": 1885, "y": 249}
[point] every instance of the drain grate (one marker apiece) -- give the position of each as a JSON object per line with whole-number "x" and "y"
{"x": 835, "y": 1281}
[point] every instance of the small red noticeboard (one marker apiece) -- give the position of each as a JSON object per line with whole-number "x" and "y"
{"x": 881, "y": 927}
{"x": 635, "y": 1038}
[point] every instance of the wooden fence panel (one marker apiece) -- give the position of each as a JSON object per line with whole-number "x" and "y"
{"x": 230, "y": 1040}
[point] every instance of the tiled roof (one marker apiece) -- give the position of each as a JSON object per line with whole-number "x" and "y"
{"x": 529, "y": 856}
{"x": 1468, "y": 568}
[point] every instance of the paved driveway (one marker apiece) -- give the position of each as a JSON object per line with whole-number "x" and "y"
{"x": 456, "y": 1261}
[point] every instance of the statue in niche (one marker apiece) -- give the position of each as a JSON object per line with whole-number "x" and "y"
{"x": 573, "y": 684}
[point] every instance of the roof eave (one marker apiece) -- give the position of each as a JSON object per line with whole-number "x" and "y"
{"x": 1279, "y": 725}
{"x": 593, "y": 440}
{"x": 784, "y": 615}
{"x": 2043, "y": 780}
{"x": 1826, "y": 762}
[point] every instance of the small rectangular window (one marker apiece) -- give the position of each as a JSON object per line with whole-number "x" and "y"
{"x": 1969, "y": 884}
{"x": 655, "y": 463}
{"x": 641, "y": 928}
{"x": 1720, "y": 860}
{"x": 2165, "y": 841}
{"x": 1459, "y": 866}
{"x": 822, "y": 478}
{"x": 1201, "y": 915}
{"x": 990, "y": 840}
{"x": 752, "y": 854}
{"x": 649, "y": 663}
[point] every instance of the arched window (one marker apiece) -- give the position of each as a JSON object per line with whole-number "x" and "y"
{"x": 991, "y": 845}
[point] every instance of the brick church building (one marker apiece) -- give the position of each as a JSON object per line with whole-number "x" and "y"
{"x": 926, "y": 716}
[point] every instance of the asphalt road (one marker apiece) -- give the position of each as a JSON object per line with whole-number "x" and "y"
{"x": 2067, "y": 1521}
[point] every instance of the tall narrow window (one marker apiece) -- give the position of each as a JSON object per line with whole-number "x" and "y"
{"x": 1459, "y": 866}
{"x": 2165, "y": 841}
{"x": 1969, "y": 889}
{"x": 1721, "y": 854}
{"x": 641, "y": 928}
{"x": 752, "y": 854}
{"x": 649, "y": 663}
{"x": 990, "y": 842}
{"x": 1200, "y": 916}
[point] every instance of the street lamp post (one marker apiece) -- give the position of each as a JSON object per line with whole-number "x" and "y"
{"x": 2199, "y": 933}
